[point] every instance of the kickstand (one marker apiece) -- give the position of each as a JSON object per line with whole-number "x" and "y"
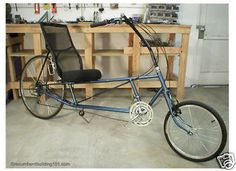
{"x": 81, "y": 113}
{"x": 85, "y": 119}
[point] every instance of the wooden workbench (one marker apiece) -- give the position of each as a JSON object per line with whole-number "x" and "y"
{"x": 134, "y": 51}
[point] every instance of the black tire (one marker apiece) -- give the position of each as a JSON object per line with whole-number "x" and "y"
{"x": 205, "y": 108}
{"x": 32, "y": 99}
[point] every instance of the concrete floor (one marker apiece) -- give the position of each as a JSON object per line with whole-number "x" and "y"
{"x": 108, "y": 141}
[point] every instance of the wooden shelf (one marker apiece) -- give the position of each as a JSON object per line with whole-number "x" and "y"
{"x": 105, "y": 52}
{"x": 109, "y": 52}
{"x": 144, "y": 50}
{"x": 25, "y": 52}
{"x": 142, "y": 84}
{"x": 85, "y": 28}
{"x": 102, "y": 52}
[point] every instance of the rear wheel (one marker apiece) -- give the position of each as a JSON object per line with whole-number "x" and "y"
{"x": 208, "y": 132}
{"x": 33, "y": 91}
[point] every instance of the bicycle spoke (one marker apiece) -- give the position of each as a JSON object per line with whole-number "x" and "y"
{"x": 206, "y": 136}
{"x": 204, "y": 139}
{"x": 203, "y": 145}
{"x": 191, "y": 119}
{"x": 31, "y": 75}
{"x": 34, "y": 69}
{"x": 48, "y": 108}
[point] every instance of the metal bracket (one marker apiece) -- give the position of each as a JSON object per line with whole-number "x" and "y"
{"x": 201, "y": 31}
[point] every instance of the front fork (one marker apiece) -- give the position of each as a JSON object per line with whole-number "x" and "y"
{"x": 171, "y": 105}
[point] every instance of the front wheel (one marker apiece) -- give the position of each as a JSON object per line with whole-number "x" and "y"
{"x": 208, "y": 132}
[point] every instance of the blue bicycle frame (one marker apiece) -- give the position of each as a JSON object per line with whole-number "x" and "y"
{"x": 162, "y": 90}
{"x": 158, "y": 75}
{"x": 130, "y": 80}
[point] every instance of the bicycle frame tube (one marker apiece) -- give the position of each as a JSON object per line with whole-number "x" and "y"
{"x": 168, "y": 99}
{"x": 104, "y": 108}
{"x": 44, "y": 63}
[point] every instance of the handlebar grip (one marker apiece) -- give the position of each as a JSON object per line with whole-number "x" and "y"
{"x": 102, "y": 23}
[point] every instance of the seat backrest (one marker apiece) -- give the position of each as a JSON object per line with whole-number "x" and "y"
{"x": 59, "y": 43}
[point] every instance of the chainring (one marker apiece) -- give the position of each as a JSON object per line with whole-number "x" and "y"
{"x": 141, "y": 113}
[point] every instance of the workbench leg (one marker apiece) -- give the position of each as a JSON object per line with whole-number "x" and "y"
{"x": 89, "y": 41}
{"x": 136, "y": 58}
{"x": 37, "y": 44}
{"x": 21, "y": 48}
{"x": 94, "y": 57}
{"x": 182, "y": 66}
{"x": 12, "y": 71}
{"x": 37, "y": 47}
{"x": 170, "y": 58}
{"x": 130, "y": 58}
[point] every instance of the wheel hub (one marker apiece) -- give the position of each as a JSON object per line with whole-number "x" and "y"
{"x": 39, "y": 88}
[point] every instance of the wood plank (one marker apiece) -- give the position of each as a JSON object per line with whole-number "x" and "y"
{"x": 11, "y": 70}
{"x": 130, "y": 58}
{"x": 182, "y": 66}
{"x": 21, "y": 48}
{"x": 136, "y": 58}
{"x": 100, "y": 52}
{"x": 103, "y": 85}
{"x": 23, "y": 28}
{"x": 109, "y": 52}
{"x": 127, "y": 29}
{"x": 26, "y": 52}
{"x": 170, "y": 58}
{"x": 142, "y": 84}
{"x": 119, "y": 28}
{"x": 144, "y": 50}
{"x": 156, "y": 84}
{"x": 37, "y": 44}
{"x": 89, "y": 38}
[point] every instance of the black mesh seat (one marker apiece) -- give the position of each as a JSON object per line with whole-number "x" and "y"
{"x": 79, "y": 76}
{"x": 68, "y": 61}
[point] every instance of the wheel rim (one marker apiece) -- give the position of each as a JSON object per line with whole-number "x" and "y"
{"x": 207, "y": 134}
{"x": 33, "y": 97}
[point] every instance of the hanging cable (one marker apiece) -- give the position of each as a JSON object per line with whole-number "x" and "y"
{"x": 160, "y": 45}
{"x": 151, "y": 39}
{"x": 164, "y": 52}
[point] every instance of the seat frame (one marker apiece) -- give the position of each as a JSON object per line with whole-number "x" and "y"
{"x": 91, "y": 74}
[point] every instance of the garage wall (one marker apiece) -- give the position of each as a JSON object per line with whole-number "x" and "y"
{"x": 117, "y": 66}
{"x": 190, "y": 15}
